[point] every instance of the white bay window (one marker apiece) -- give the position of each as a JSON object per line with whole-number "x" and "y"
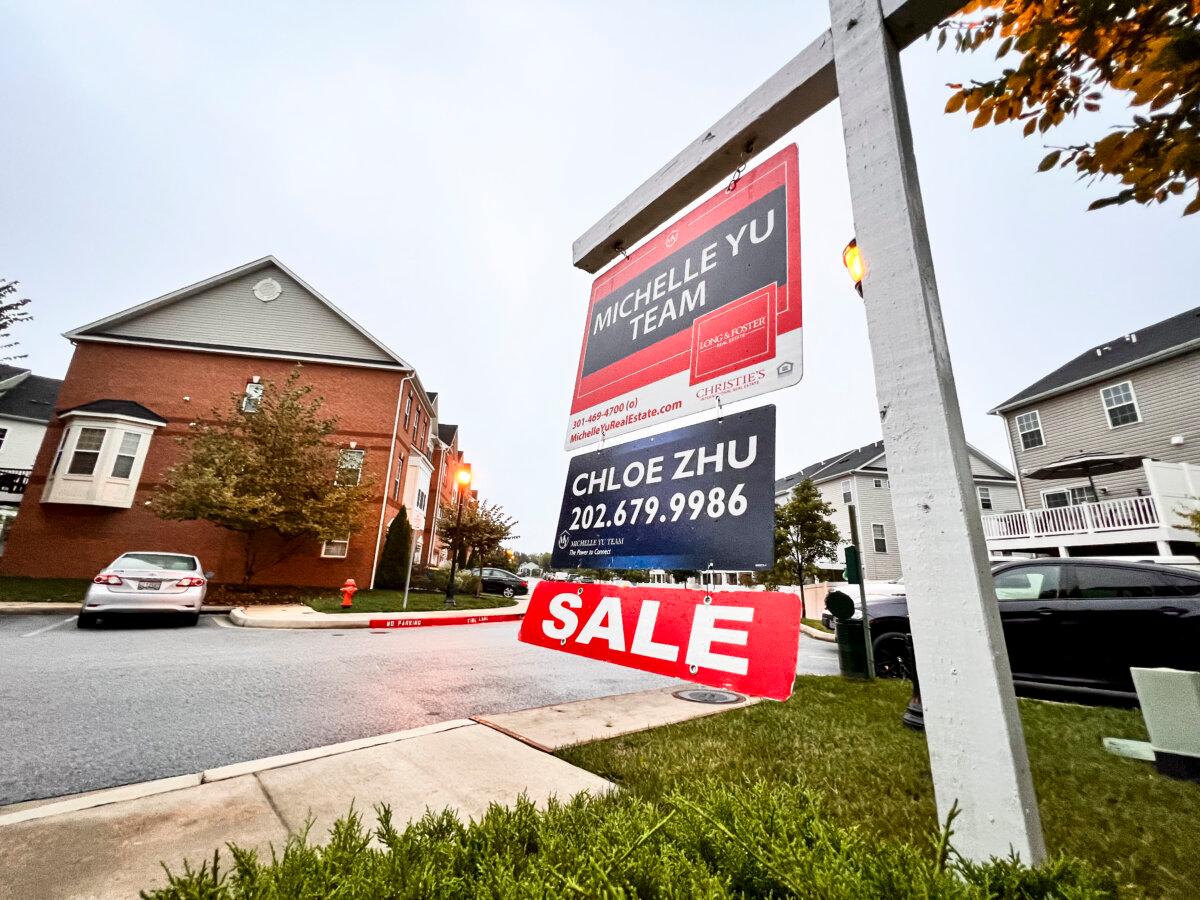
{"x": 101, "y": 453}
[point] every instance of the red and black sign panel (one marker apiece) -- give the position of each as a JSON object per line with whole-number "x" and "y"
{"x": 744, "y": 641}
{"x": 709, "y": 307}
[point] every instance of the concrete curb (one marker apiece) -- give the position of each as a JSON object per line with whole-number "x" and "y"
{"x": 39, "y": 608}
{"x": 817, "y": 635}
{"x": 303, "y": 617}
{"x": 35, "y": 809}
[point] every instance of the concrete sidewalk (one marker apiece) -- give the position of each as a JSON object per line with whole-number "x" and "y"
{"x": 295, "y": 615}
{"x": 109, "y": 844}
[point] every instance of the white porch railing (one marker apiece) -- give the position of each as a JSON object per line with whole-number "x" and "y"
{"x": 1086, "y": 518}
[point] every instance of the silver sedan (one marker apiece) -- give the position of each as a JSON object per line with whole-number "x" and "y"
{"x": 147, "y": 582}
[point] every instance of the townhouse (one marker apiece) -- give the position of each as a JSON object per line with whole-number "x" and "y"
{"x": 141, "y": 379}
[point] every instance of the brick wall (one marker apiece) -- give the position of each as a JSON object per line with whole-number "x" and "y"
{"x": 61, "y": 540}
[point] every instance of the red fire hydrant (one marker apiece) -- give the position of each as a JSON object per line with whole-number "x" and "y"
{"x": 348, "y": 590}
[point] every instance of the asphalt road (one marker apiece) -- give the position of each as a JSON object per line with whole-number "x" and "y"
{"x": 82, "y": 710}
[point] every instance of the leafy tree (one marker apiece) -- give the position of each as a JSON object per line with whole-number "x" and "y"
{"x": 485, "y": 526}
{"x": 12, "y": 312}
{"x": 271, "y": 475}
{"x": 803, "y": 535}
{"x": 1192, "y": 521}
{"x": 1074, "y": 52}
{"x": 392, "y": 568}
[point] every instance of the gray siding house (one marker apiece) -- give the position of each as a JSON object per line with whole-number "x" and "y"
{"x": 860, "y": 476}
{"x": 1137, "y": 395}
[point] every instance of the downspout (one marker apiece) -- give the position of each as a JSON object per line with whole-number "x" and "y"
{"x": 387, "y": 479}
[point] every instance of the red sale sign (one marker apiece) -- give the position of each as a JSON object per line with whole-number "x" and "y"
{"x": 708, "y": 309}
{"x": 744, "y": 641}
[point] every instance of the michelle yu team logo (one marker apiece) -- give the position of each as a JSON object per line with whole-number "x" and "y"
{"x": 564, "y": 540}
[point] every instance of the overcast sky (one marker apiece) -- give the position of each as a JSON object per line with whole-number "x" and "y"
{"x": 427, "y": 167}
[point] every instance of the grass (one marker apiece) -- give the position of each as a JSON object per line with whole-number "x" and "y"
{"x": 393, "y": 601}
{"x": 843, "y": 741}
{"x": 42, "y": 590}
{"x": 817, "y": 624}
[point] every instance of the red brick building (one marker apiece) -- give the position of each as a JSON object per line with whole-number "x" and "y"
{"x": 142, "y": 378}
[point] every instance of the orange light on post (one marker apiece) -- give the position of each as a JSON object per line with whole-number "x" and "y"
{"x": 463, "y": 476}
{"x": 852, "y": 259}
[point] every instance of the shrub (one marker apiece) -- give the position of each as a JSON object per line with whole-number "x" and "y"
{"x": 392, "y": 567}
{"x": 435, "y": 580}
{"x": 716, "y": 840}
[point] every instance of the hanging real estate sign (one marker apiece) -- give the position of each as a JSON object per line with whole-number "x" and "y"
{"x": 741, "y": 640}
{"x": 708, "y": 308}
{"x": 697, "y": 497}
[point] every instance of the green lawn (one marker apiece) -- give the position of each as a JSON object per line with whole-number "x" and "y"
{"x": 42, "y": 590}
{"x": 844, "y": 741}
{"x": 392, "y": 601}
{"x": 817, "y": 624}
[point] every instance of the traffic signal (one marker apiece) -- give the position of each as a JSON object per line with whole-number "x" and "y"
{"x": 853, "y": 573}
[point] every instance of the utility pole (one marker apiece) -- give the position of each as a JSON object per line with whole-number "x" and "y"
{"x": 862, "y": 594}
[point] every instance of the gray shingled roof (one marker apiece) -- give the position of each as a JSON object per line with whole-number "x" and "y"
{"x": 31, "y": 398}
{"x": 1125, "y": 351}
{"x": 117, "y": 408}
{"x": 832, "y": 467}
{"x": 446, "y": 433}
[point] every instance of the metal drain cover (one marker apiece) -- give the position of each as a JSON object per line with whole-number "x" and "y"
{"x": 694, "y": 695}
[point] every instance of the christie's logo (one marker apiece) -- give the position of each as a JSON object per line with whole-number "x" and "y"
{"x": 716, "y": 388}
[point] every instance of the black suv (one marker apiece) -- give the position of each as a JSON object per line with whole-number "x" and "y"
{"x": 1075, "y": 624}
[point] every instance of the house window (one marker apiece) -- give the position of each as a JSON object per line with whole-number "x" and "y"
{"x": 407, "y": 410}
{"x": 350, "y": 464}
{"x": 87, "y": 451}
{"x": 985, "y": 497}
{"x": 336, "y": 549}
{"x": 3, "y": 435}
{"x": 880, "y": 538}
{"x": 252, "y": 398}
{"x": 847, "y": 494}
{"x": 1029, "y": 425}
{"x": 422, "y": 499}
{"x": 126, "y": 454}
{"x": 881, "y": 483}
{"x": 1068, "y": 497}
{"x": 1120, "y": 404}
{"x": 397, "y": 483}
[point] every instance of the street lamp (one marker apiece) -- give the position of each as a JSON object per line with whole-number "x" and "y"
{"x": 463, "y": 477}
{"x": 852, "y": 259}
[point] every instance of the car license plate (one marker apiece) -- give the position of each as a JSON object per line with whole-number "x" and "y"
{"x": 149, "y": 585}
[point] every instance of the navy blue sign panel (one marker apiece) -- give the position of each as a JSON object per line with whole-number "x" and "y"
{"x": 693, "y": 498}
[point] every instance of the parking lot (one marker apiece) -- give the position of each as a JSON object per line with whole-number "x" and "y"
{"x": 81, "y": 710}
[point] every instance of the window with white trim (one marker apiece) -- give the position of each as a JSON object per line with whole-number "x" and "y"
{"x": 847, "y": 493}
{"x": 880, "y": 538}
{"x": 407, "y": 409}
{"x": 398, "y": 481}
{"x": 881, "y": 483}
{"x": 1069, "y": 497}
{"x": 1029, "y": 426}
{"x": 126, "y": 454}
{"x": 985, "y": 496}
{"x": 350, "y": 465}
{"x": 1120, "y": 404}
{"x": 252, "y": 398}
{"x": 336, "y": 549}
{"x": 3, "y": 435}
{"x": 422, "y": 499}
{"x": 87, "y": 451}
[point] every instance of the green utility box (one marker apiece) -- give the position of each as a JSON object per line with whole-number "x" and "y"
{"x": 852, "y": 651}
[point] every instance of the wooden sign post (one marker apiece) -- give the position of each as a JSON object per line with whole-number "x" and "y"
{"x": 976, "y": 743}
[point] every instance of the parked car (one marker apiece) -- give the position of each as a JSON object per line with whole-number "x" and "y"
{"x": 503, "y": 582}
{"x": 147, "y": 582}
{"x": 1075, "y": 624}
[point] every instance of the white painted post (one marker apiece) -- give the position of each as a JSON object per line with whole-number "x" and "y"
{"x": 976, "y": 743}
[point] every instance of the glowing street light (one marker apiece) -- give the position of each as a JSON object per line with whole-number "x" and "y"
{"x": 852, "y": 259}
{"x": 463, "y": 477}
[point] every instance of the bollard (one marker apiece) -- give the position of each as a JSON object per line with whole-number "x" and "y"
{"x": 348, "y": 590}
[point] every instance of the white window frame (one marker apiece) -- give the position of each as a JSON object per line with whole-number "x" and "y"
{"x": 984, "y": 493}
{"x": 97, "y": 454}
{"x": 1021, "y": 432}
{"x": 1070, "y": 492}
{"x": 362, "y": 461}
{"x": 252, "y": 397}
{"x": 102, "y": 486}
{"x": 344, "y": 543}
{"x": 847, "y": 490}
{"x": 119, "y": 454}
{"x": 878, "y": 536}
{"x": 881, "y": 483}
{"x": 1108, "y": 409}
{"x": 3, "y": 437}
{"x": 422, "y": 500}
{"x": 398, "y": 482}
